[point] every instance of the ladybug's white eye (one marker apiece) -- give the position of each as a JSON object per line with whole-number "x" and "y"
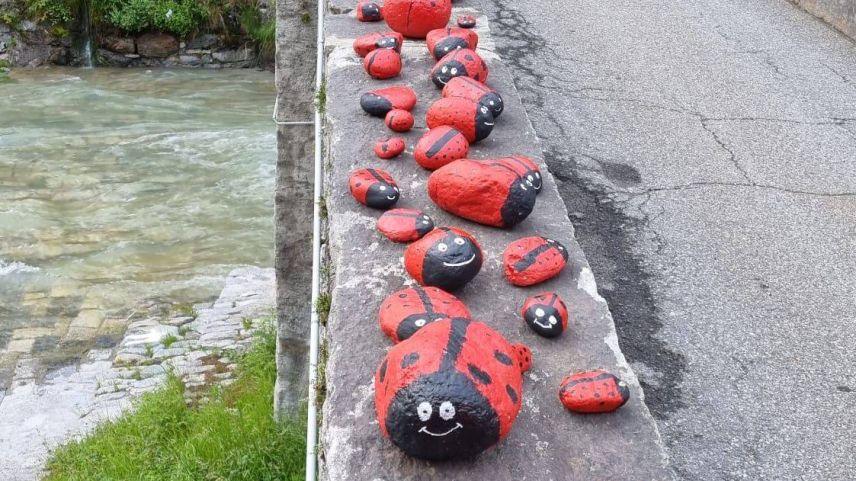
{"x": 424, "y": 411}
{"x": 539, "y": 312}
{"x": 383, "y": 187}
{"x": 442, "y": 247}
{"x": 492, "y": 102}
{"x": 523, "y": 186}
{"x": 530, "y": 178}
{"x": 444, "y": 69}
{"x": 484, "y": 110}
{"x": 419, "y": 322}
{"x": 454, "y": 71}
{"x": 459, "y": 241}
{"x": 553, "y": 320}
{"x": 447, "y": 410}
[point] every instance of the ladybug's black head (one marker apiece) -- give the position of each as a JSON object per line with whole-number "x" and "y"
{"x": 449, "y": 44}
{"x": 558, "y": 245}
{"x": 544, "y": 319}
{"x": 382, "y": 195}
{"x": 387, "y": 42}
{"x": 424, "y": 225}
{"x": 447, "y": 71}
{"x": 442, "y": 416}
{"x": 484, "y": 122}
{"x": 493, "y": 101}
{"x": 519, "y": 203}
{"x": 451, "y": 262}
{"x": 412, "y": 323}
{"x": 534, "y": 178}
{"x": 371, "y": 11}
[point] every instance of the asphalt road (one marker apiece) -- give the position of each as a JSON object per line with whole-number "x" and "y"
{"x": 707, "y": 153}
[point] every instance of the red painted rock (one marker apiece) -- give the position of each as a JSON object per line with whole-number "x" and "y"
{"x": 481, "y": 192}
{"x": 524, "y": 357}
{"x": 375, "y": 40}
{"x": 465, "y": 116}
{"x": 374, "y": 188}
{"x": 446, "y": 257}
{"x": 404, "y": 225}
{"x": 444, "y": 40}
{"x": 524, "y": 167}
{"x": 476, "y": 91}
{"x": 466, "y": 21}
{"x": 531, "y": 260}
{"x": 404, "y": 312}
{"x": 379, "y": 102}
{"x": 546, "y": 314}
{"x": 415, "y": 18}
{"x": 389, "y": 147}
{"x": 451, "y": 390}
{"x": 382, "y": 63}
{"x": 459, "y": 63}
{"x": 595, "y": 391}
{"x": 440, "y": 146}
{"x": 369, "y": 12}
{"x": 399, "y": 120}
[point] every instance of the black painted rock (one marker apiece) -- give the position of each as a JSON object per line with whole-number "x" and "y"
{"x": 389, "y": 148}
{"x": 440, "y": 146}
{"x": 444, "y": 40}
{"x": 374, "y": 188}
{"x": 404, "y": 225}
{"x": 408, "y": 310}
{"x": 451, "y": 390}
{"x": 482, "y": 192}
{"x": 369, "y": 11}
{"x": 399, "y": 120}
{"x": 379, "y": 102}
{"x": 546, "y": 314}
{"x": 467, "y": 117}
{"x": 371, "y": 41}
{"x": 590, "y": 392}
{"x": 446, "y": 257}
{"x": 463, "y": 62}
{"x": 532, "y": 260}
{"x": 477, "y": 92}
{"x": 382, "y": 63}
{"x": 466, "y": 21}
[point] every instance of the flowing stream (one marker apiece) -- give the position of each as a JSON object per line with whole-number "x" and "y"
{"x": 123, "y": 193}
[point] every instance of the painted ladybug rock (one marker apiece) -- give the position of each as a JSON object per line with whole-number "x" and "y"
{"x": 476, "y": 91}
{"x": 481, "y": 192}
{"x": 444, "y": 40}
{"x": 399, "y": 120}
{"x": 415, "y": 18}
{"x": 374, "y": 188}
{"x": 375, "y": 40}
{"x": 595, "y": 391}
{"x": 466, "y": 21}
{"x": 389, "y": 147}
{"x": 379, "y": 102}
{"x": 440, "y": 146}
{"x": 546, "y": 314}
{"x": 531, "y": 260}
{"x": 523, "y": 166}
{"x": 408, "y": 310}
{"x": 463, "y": 62}
{"x": 404, "y": 225}
{"x": 446, "y": 257}
{"x": 464, "y": 115}
{"x": 382, "y": 63}
{"x": 450, "y": 391}
{"x": 369, "y": 12}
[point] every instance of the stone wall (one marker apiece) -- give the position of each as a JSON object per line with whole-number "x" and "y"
{"x": 841, "y": 14}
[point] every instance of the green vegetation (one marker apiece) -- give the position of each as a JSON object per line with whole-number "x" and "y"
{"x": 263, "y": 33}
{"x": 168, "y": 340}
{"x": 231, "y": 437}
{"x": 321, "y": 97}
{"x": 322, "y": 306}
{"x": 187, "y": 310}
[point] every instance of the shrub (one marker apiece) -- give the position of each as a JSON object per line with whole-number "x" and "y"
{"x": 180, "y": 17}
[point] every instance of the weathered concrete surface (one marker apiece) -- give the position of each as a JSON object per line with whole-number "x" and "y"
{"x": 547, "y": 442}
{"x": 706, "y": 151}
{"x": 841, "y": 14}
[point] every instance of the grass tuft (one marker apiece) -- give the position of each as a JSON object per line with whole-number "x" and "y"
{"x": 322, "y": 306}
{"x": 168, "y": 340}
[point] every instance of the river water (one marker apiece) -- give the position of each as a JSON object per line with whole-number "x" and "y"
{"x": 125, "y": 192}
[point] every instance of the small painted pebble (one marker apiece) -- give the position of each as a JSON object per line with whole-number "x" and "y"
{"x": 375, "y": 40}
{"x": 374, "y": 188}
{"x": 596, "y": 391}
{"x": 546, "y": 314}
{"x": 389, "y": 148}
{"x": 382, "y": 63}
{"x": 399, "y": 120}
{"x": 404, "y": 225}
{"x": 466, "y": 21}
{"x": 369, "y": 11}
{"x": 532, "y": 260}
{"x": 380, "y": 101}
{"x": 440, "y": 146}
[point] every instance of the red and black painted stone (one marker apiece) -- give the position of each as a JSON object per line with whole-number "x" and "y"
{"x": 450, "y": 391}
{"x": 379, "y": 102}
{"x": 440, "y": 146}
{"x": 389, "y": 148}
{"x": 467, "y": 117}
{"x": 375, "y": 40}
{"x": 374, "y": 188}
{"x": 369, "y": 12}
{"x": 482, "y": 192}
{"x": 463, "y": 62}
{"x": 523, "y": 166}
{"x": 466, "y": 21}
{"x": 404, "y": 312}
{"x": 415, "y": 18}
{"x": 546, "y": 314}
{"x": 476, "y": 91}
{"x": 399, "y": 120}
{"x": 382, "y": 63}
{"x": 446, "y": 257}
{"x": 441, "y": 41}
{"x": 404, "y": 225}
{"x": 532, "y": 260}
{"x": 596, "y": 391}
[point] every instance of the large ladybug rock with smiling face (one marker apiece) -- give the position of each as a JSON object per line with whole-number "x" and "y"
{"x": 369, "y": 12}
{"x": 379, "y": 102}
{"x": 590, "y": 392}
{"x": 463, "y": 62}
{"x": 446, "y": 257}
{"x": 532, "y": 260}
{"x": 404, "y": 225}
{"x": 374, "y": 188}
{"x": 476, "y": 91}
{"x": 486, "y": 193}
{"x": 450, "y": 391}
{"x": 415, "y": 18}
{"x": 408, "y": 310}
{"x": 444, "y": 40}
{"x": 375, "y": 40}
{"x": 467, "y": 117}
{"x": 546, "y": 314}
{"x": 440, "y": 146}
